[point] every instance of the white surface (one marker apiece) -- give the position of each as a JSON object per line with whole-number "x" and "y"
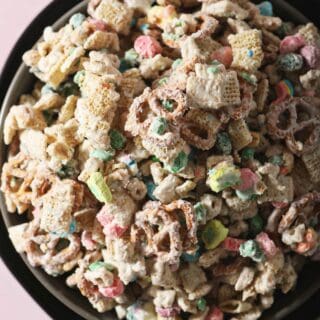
{"x": 15, "y": 15}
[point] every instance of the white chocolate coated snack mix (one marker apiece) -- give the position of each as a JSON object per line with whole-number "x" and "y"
{"x": 168, "y": 157}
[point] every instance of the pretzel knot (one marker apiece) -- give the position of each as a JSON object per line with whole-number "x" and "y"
{"x": 297, "y": 121}
{"x": 139, "y": 114}
{"x": 168, "y": 103}
{"x": 207, "y": 28}
{"x": 44, "y": 250}
{"x": 167, "y": 229}
{"x": 301, "y": 211}
{"x": 16, "y": 179}
{"x": 200, "y": 129}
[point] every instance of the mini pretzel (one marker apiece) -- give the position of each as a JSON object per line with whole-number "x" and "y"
{"x": 203, "y": 122}
{"x": 18, "y": 169}
{"x": 191, "y": 240}
{"x": 207, "y": 28}
{"x": 42, "y": 251}
{"x": 286, "y": 126}
{"x": 302, "y": 209}
{"x": 163, "y": 94}
{"x": 138, "y": 119}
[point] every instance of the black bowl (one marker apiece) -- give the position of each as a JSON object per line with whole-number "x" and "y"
{"x": 21, "y": 82}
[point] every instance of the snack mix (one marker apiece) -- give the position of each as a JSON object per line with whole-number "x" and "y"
{"x": 167, "y": 160}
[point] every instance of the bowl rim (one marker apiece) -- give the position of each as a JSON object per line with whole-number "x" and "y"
{"x": 38, "y": 273}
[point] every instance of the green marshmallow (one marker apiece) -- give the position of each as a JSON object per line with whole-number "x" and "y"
{"x": 201, "y": 211}
{"x": 99, "y": 188}
{"x": 117, "y": 140}
{"x": 252, "y": 250}
{"x": 159, "y": 125}
{"x": 104, "y": 155}
{"x": 180, "y": 162}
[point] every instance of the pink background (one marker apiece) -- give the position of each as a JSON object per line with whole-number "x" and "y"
{"x": 15, "y": 303}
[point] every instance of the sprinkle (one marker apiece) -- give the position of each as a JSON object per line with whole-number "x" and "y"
{"x": 159, "y": 125}
{"x": 251, "y": 250}
{"x": 168, "y": 105}
{"x": 180, "y": 162}
{"x": 266, "y": 8}
{"x": 202, "y": 304}
{"x": 77, "y": 19}
{"x": 256, "y": 225}
{"x": 250, "y": 53}
{"x": 223, "y": 143}
{"x": 200, "y": 210}
{"x": 213, "y": 234}
{"x": 99, "y": 188}
{"x": 247, "y": 154}
{"x": 117, "y": 140}
{"x": 223, "y": 175}
{"x": 104, "y": 155}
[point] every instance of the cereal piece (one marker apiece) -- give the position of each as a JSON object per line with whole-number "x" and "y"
{"x": 311, "y": 162}
{"x": 247, "y": 50}
{"x": 101, "y": 40}
{"x": 33, "y": 143}
{"x": 291, "y": 44}
{"x": 115, "y": 14}
{"x": 239, "y": 134}
{"x": 310, "y": 34}
{"x": 212, "y": 91}
{"x": 147, "y": 46}
{"x": 165, "y": 191}
{"x": 222, "y": 176}
{"x": 224, "y": 8}
{"x": 99, "y": 188}
{"x": 213, "y": 234}
{"x": 16, "y": 235}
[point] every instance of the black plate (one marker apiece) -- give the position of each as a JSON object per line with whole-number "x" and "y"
{"x": 309, "y": 279}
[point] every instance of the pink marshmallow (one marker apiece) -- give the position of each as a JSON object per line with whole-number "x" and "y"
{"x": 215, "y": 314}
{"x": 248, "y": 179}
{"x": 115, "y": 290}
{"x": 147, "y": 46}
{"x": 98, "y": 24}
{"x": 168, "y": 312}
{"x": 224, "y": 55}
{"x": 291, "y": 44}
{"x": 232, "y": 244}
{"x": 110, "y": 228}
{"x": 311, "y": 54}
{"x": 266, "y": 244}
